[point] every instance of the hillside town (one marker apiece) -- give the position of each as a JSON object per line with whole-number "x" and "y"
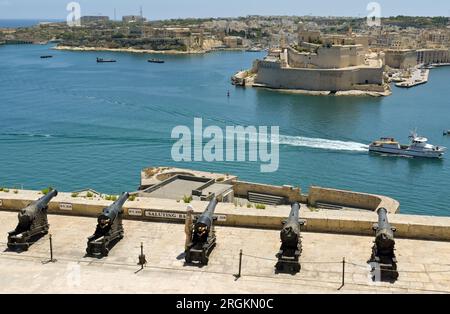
{"x": 313, "y": 54}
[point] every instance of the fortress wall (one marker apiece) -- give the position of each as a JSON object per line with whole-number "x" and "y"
{"x": 351, "y": 199}
{"x": 293, "y": 194}
{"x": 334, "y": 57}
{"x": 326, "y": 221}
{"x": 270, "y": 74}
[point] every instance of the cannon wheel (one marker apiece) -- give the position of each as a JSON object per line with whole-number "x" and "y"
{"x": 105, "y": 251}
{"x": 205, "y": 260}
{"x": 188, "y": 258}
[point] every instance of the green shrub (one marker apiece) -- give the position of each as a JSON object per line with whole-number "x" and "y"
{"x": 107, "y": 197}
{"x": 132, "y": 198}
{"x": 15, "y": 191}
{"x": 89, "y": 194}
{"x": 74, "y": 194}
{"x": 221, "y": 179}
{"x": 6, "y": 190}
{"x": 260, "y": 206}
{"x": 113, "y": 198}
{"x": 187, "y": 199}
{"x": 47, "y": 190}
{"x": 1, "y": 189}
{"x": 249, "y": 205}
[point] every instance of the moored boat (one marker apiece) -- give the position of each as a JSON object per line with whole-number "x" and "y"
{"x": 418, "y": 147}
{"x": 46, "y": 57}
{"x": 101, "y": 60}
{"x": 155, "y": 61}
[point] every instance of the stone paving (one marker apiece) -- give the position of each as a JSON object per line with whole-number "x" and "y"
{"x": 424, "y": 266}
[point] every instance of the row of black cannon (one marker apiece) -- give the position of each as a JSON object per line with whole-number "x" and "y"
{"x": 33, "y": 224}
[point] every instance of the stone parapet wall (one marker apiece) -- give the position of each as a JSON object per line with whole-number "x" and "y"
{"x": 326, "y": 221}
{"x": 351, "y": 199}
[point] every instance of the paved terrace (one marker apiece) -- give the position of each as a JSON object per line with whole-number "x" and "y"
{"x": 423, "y": 265}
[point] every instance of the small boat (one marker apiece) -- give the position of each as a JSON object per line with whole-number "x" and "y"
{"x": 156, "y": 61}
{"x": 446, "y": 132}
{"x": 101, "y": 60}
{"x": 255, "y": 49}
{"x": 46, "y": 57}
{"x": 418, "y": 147}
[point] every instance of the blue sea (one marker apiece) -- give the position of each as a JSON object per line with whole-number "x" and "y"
{"x": 71, "y": 123}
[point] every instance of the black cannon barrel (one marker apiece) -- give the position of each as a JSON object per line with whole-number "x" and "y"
{"x": 208, "y": 215}
{"x": 29, "y": 213}
{"x": 384, "y": 232}
{"x": 291, "y": 229}
{"x": 383, "y": 222}
{"x": 111, "y": 212}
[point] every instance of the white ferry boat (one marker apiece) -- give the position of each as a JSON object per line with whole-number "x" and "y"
{"x": 418, "y": 147}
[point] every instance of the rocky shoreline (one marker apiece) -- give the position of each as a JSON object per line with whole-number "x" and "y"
{"x": 360, "y": 93}
{"x": 246, "y": 79}
{"x": 130, "y": 50}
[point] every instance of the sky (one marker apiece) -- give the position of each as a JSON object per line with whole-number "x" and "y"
{"x": 165, "y": 9}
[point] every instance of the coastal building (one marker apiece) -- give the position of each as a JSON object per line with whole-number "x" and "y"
{"x": 428, "y": 56}
{"x": 306, "y": 35}
{"x": 401, "y": 59}
{"x": 133, "y": 19}
{"x": 94, "y": 19}
{"x": 323, "y": 64}
{"x": 233, "y": 41}
{"x": 331, "y": 68}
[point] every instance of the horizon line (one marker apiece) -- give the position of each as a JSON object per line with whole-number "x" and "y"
{"x": 232, "y": 17}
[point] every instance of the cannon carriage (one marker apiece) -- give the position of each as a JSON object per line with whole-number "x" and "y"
{"x": 109, "y": 229}
{"x": 291, "y": 243}
{"x": 383, "y": 257}
{"x": 203, "y": 238}
{"x": 33, "y": 223}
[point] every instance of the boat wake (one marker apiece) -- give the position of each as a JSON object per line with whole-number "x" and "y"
{"x": 26, "y": 134}
{"x": 320, "y": 143}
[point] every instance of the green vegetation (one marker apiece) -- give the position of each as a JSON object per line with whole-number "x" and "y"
{"x": 111, "y": 198}
{"x": 1, "y": 189}
{"x": 301, "y": 49}
{"x": 417, "y": 21}
{"x": 74, "y": 194}
{"x": 16, "y": 192}
{"x": 260, "y": 206}
{"x": 89, "y": 194}
{"x": 47, "y": 190}
{"x": 249, "y": 205}
{"x": 187, "y": 199}
{"x": 316, "y": 41}
{"x": 4, "y": 190}
{"x": 221, "y": 179}
{"x": 132, "y": 198}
